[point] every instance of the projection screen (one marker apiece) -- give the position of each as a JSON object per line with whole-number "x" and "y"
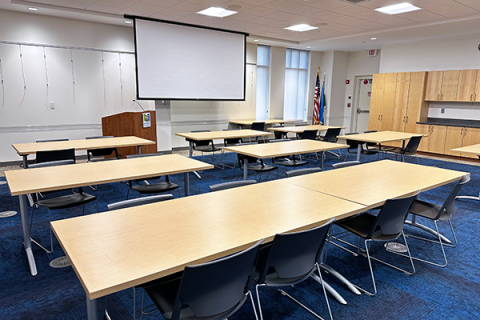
{"x": 186, "y": 62}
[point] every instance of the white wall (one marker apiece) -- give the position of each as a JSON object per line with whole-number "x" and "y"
{"x": 83, "y": 84}
{"x": 445, "y": 54}
{"x": 359, "y": 64}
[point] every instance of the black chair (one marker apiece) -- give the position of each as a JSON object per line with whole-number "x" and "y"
{"x": 230, "y": 185}
{"x": 101, "y": 152}
{"x": 279, "y": 134}
{"x": 55, "y": 155}
{"x": 291, "y": 258}
{"x": 300, "y": 172}
{"x": 261, "y": 167}
{"x": 309, "y": 135}
{"x": 228, "y": 143}
{"x": 353, "y": 147}
{"x": 409, "y": 150}
{"x": 50, "y": 140}
{"x": 299, "y": 134}
{"x": 258, "y": 126}
{"x": 204, "y": 145}
{"x": 331, "y": 136}
{"x": 345, "y": 164}
{"x": 62, "y": 202}
{"x": 138, "y": 201}
{"x": 148, "y": 188}
{"x": 285, "y": 161}
{"x": 437, "y": 213}
{"x": 212, "y": 290}
{"x": 371, "y": 146}
{"x": 385, "y": 227}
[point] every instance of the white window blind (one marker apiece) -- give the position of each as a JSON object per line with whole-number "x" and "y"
{"x": 296, "y": 72}
{"x": 263, "y": 54}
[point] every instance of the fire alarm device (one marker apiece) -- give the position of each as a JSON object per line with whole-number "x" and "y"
{"x": 365, "y": 82}
{"x": 347, "y": 82}
{"x": 349, "y": 105}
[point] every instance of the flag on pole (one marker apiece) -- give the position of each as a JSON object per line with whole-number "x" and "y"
{"x": 316, "y": 101}
{"x": 323, "y": 102}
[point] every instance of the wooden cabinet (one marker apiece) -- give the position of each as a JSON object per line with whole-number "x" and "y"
{"x": 438, "y": 135}
{"x": 442, "y": 85}
{"x": 401, "y": 101}
{"x": 382, "y": 101}
{"x": 454, "y": 139}
{"x": 434, "y": 85}
{"x": 471, "y": 136}
{"x": 425, "y": 142}
{"x": 417, "y": 108}
{"x": 466, "y": 85}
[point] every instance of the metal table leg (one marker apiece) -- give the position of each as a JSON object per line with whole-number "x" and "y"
{"x": 421, "y": 226}
{"x": 359, "y": 151}
{"x": 322, "y": 155}
{"x": 245, "y": 168}
{"x": 26, "y": 234}
{"x": 190, "y": 154}
{"x": 187, "y": 184}
{"x": 25, "y": 161}
{"x": 138, "y": 150}
{"x": 91, "y": 308}
{"x": 403, "y": 148}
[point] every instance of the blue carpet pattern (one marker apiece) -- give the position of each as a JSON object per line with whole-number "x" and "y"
{"x": 432, "y": 293}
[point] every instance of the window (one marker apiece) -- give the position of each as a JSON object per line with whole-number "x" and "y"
{"x": 296, "y": 70}
{"x": 263, "y": 54}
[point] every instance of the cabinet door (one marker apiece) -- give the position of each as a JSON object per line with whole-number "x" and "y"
{"x": 425, "y": 130}
{"x": 417, "y": 109}
{"x": 434, "y": 85}
{"x": 476, "y": 95}
{"x": 437, "y": 139}
{"x": 388, "y": 101}
{"x": 450, "y": 85}
{"x": 471, "y": 137}
{"x": 376, "y": 102}
{"x": 466, "y": 85}
{"x": 454, "y": 139}
{"x": 401, "y": 101}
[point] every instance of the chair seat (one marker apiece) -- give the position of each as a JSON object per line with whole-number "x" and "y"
{"x": 369, "y": 151}
{"x": 401, "y": 151}
{"x": 288, "y": 163}
{"x": 208, "y": 148}
{"x": 260, "y": 168}
{"x": 67, "y": 201}
{"x": 361, "y": 225}
{"x": 428, "y": 210}
{"x": 156, "y": 187}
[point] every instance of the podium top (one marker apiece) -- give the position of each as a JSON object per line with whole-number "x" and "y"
{"x": 90, "y": 144}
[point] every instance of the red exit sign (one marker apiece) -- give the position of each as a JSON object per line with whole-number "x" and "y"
{"x": 372, "y": 53}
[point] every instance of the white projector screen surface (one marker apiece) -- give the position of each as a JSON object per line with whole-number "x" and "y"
{"x": 179, "y": 62}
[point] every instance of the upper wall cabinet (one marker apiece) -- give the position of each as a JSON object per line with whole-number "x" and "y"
{"x": 442, "y": 85}
{"x": 434, "y": 86}
{"x": 466, "y": 85}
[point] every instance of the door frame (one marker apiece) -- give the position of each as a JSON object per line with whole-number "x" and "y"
{"x": 355, "y": 101}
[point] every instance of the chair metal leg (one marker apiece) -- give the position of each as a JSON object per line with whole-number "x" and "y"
{"x": 51, "y": 233}
{"x": 253, "y": 304}
{"x": 258, "y": 300}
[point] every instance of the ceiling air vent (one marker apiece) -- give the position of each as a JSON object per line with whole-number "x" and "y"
{"x": 354, "y": 1}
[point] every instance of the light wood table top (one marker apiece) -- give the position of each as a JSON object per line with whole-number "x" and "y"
{"x": 85, "y": 174}
{"x": 370, "y": 184}
{"x": 230, "y": 134}
{"x": 473, "y": 149}
{"x": 279, "y": 149}
{"x": 248, "y": 122}
{"x": 300, "y": 129}
{"x": 112, "y": 251}
{"x": 87, "y": 144}
{"x": 381, "y": 136}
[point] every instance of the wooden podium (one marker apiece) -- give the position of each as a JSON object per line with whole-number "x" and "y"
{"x": 131, "y": 124}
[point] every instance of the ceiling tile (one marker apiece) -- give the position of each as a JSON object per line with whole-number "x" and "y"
{"x": 325, "y": 15}
{"x": 280, "y": 15}
{"x": 259, "y": 11}
{"x": 421, "y": 16}
{"x": 266, "y": 21}
{"x": 241, "y": 17}
{"x": 257, "y": 2}
{"x": 189, "y": 7}
{"x": 106, "y": 9}
{"x": 174, "y": 13}
{"x": 72, "y": 3}
{"x": 350, "y": 10}
{"x": 197, "y": 19}
{"x": 114, "y": 3}
{"x": 384, "y": 19}
{"x": 41, "y": 1}
{"x": 474, "y": 4}
{"x": 328, "y": 4}
{"x": 206, "y": 3}
{"x": 304, "y": 10}
{"x": 453, "y": 10}
{"x": 425, "y": 4}
{"x": 163, "y": 3}
{"x": 244, "y": 5}
{"x": 147, "y": 8}
{"x": 280, "y": 5}
{"x": 342, "y": 28}
{"x": 374, "y": 4}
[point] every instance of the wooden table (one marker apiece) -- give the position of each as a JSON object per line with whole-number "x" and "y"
{"x": 280, "y": 149}
{"x": 473, "y": 149}
{"x": 379, "y": 138}
{"x": 24, "y": 149}
{"x": 372, "y": 183}
{"x": 113, "y": 251}
{"x": 213, "y": 135}
{"x": 22, "y": 182}
{"x": 300, "y": 129}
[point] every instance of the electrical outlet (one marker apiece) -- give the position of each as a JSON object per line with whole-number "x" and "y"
{"x": 442, "y": 110}
{"x": 52, "y": 105}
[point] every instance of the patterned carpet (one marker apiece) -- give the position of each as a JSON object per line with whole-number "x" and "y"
{"x": 432, "y": 293}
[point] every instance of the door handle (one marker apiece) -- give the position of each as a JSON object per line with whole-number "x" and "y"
{"x": 438, "y": 96}
{"x": 407, "y": 119}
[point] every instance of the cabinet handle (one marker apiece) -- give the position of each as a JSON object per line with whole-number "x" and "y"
{"x": 441, "y": 96}
{"x": 381, "y": 117}
{"x": 461, "y": 132}
{"x": 464, "y": 131}
{"x": 403, "y": 118}
{"x": 474, "y": 97}
{"x": 438, "y": 96}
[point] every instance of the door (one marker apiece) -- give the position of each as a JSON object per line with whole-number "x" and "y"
{"x": 454, "y": 140}
{"x": 362, "y": 107}
{"x": 466, "y": 85}
{"x": 401, "y": 101}
{"x": 434, "y": 85}
{"x": 386, "y": 115}
{"x": 450, "y": 85}
{"x": 471, "y": 137}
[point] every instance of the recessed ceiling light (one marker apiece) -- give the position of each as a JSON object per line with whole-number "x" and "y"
{"x": 398, "y": 8}
{"x": 256, "y": 40}
{"x": 217, "y": 12}
{"x": 301, "y": 27}
{"x": 32, "y": 9}
{"x": 128, "y": 21}
{"x": 373, "y": 38}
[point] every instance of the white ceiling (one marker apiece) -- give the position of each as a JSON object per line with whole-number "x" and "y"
{"x": 349, "y": 26}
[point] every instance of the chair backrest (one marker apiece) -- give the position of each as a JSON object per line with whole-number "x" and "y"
{"x": 370, "y": 131}
{"x": 259, "y": 126}
{"x": 55, "y": 155}
{"x": 352, "y": 144}
{"x": 449, "y": 204}
{"x": 230, "y": 185}
{"x": 231, "y": 141}
{"x": 201, "y": 142}
{"x": 278, "y": 140}
{"x": 49, "y": 140}
{"x": 241, "y": 157}
{"x": 345, "y": 164}
{"x": 413, "y": 144}
{"x": 50, "y": 164}
{"x": 300, "y": 172}
{"x": 138, "y": 201}
{"x": 388, "y": 224}
{"x": 142, "y": 155}
{"x": 99, "y": 137}
{"x": 279, "y": 134}
{"x": 332, "y": 134}
{"x": 293, "y": 255}
{"x": 370, "y": 144}
{"x": 309, "y": 134}
{"x": 215, "y": 287}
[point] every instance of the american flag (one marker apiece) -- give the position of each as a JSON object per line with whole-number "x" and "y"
{"x": 316, "y": 101}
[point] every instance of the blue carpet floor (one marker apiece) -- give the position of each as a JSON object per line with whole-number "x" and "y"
{"x": 432, "y": 293}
